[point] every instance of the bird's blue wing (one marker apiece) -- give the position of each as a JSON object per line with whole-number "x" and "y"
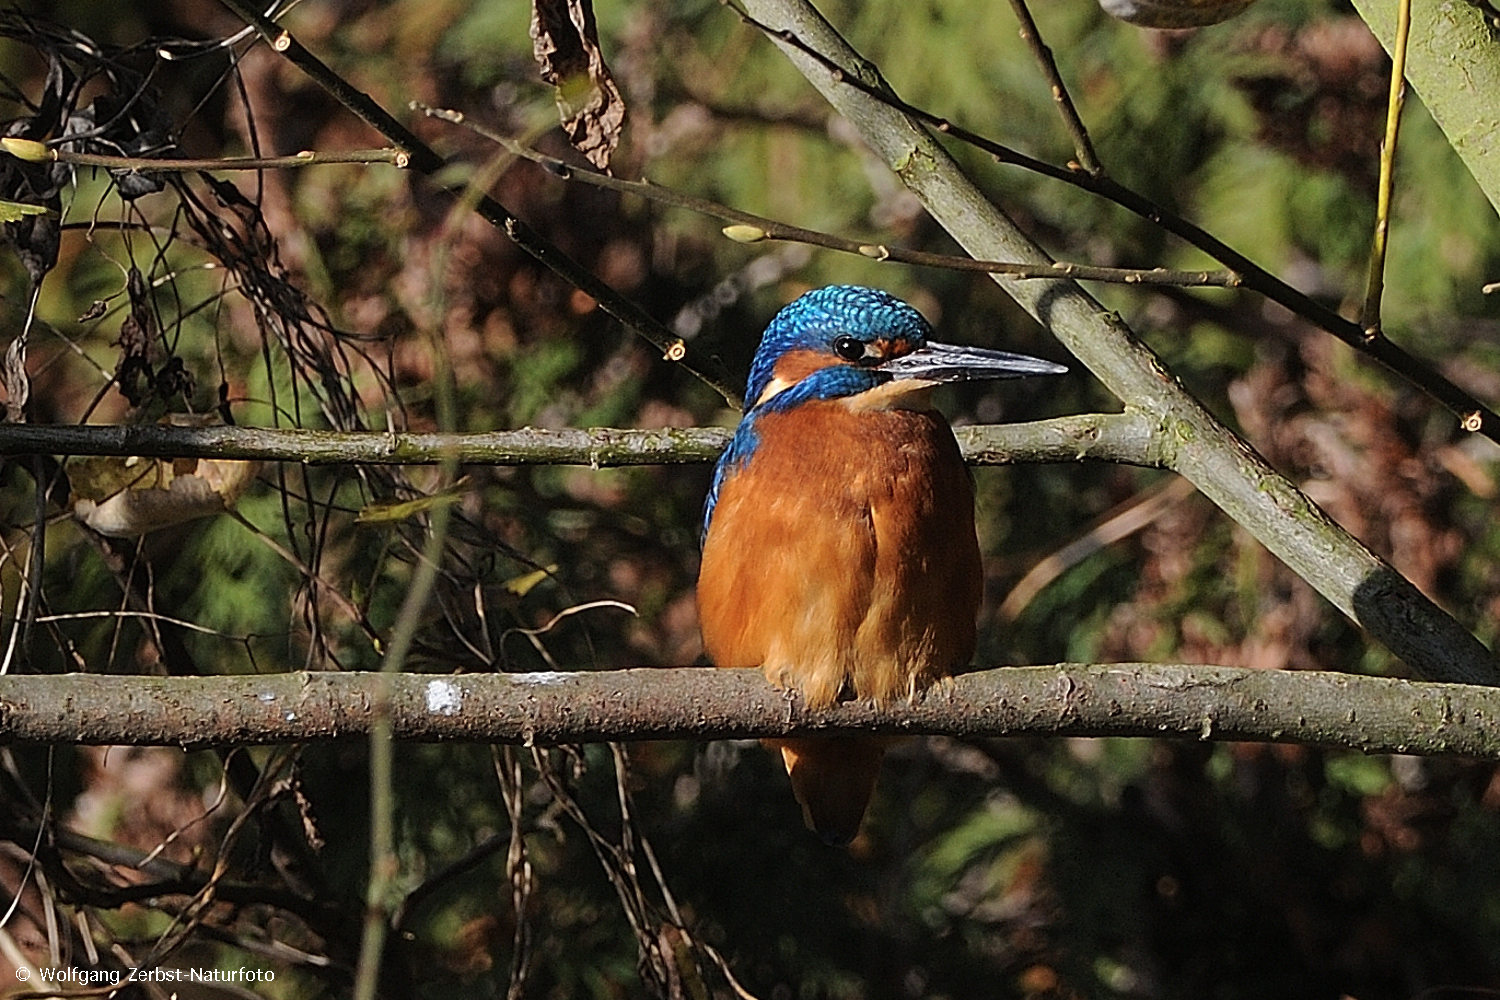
{"x": 741, "y": 447}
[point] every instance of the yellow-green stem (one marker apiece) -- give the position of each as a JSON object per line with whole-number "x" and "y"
{"x": 1369, "y": 317}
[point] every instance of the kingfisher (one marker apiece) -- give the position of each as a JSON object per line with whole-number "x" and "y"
{"x": 839, "y": 551}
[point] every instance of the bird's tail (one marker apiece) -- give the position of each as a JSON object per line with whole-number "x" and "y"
{"x": 833, "y": 777}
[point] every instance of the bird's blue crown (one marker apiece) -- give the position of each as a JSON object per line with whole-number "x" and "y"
{"x": 815, "y": 320}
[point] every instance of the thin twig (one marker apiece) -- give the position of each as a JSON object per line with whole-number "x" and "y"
{"x": 384, "y": 863}
{"x": 444, "y": 876}
{"x": 1083, "y": 146}
{"x": 152, "y": 165}
{"x": 356, "y": 616}
{"x": 750, "y": 228}
{"x": 518, "y": 869}
{"x": 1369, "y": 316}
{"x": 1137, "y": 513}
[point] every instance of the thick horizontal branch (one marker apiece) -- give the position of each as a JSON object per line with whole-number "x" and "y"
{"x": 1374, "y": 715}
{"x": 1116, "y": 437}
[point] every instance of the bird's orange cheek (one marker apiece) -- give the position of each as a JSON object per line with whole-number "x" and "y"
{"x": 793, "y": 367}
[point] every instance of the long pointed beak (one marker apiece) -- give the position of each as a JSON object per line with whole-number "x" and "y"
{"x": 956, "y": 363}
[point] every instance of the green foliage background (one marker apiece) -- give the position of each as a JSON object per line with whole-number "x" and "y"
{"x": 1016, "y": 868}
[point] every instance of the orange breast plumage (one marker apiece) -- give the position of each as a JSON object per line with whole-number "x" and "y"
{"x": 841, "y": 558}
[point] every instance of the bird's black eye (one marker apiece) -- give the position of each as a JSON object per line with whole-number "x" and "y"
{"x": 849, "y": 348}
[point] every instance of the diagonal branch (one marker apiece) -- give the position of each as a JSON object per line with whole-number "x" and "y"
{"x": 1083, "y": 146}
{"x": 1371, "y": 714}
{"x": 1203, "y": 450}
{"x": 819, "y": 61}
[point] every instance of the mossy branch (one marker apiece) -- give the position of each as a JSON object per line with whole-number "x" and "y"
{"x": 1115, "y": 437}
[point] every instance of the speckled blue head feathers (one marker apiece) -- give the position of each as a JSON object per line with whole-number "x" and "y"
{"x": 815, "y": 321}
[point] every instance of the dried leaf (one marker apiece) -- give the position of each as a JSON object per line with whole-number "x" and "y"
{"x": 565, "y": 39}
{"x": 134, "y": 512}
{"x": 133, "y": 372}
{"x": 37, "y": 239}
{"x": 99, "y": 477}
{"x": 127, "y": 496}
{"x": 17, "y": 382}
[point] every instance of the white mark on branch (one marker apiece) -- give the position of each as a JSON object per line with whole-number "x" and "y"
{"x": 444, "y": 698}
{"x": 540, "y": 677}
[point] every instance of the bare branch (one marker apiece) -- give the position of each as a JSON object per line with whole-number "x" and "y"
{"x": 148, "y": 165}
{"x": 1115, "y": 437}
{"x": 1083, "y": 146}
{"x": 749, "y": 228}
{"x": 1371, "y": 714}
